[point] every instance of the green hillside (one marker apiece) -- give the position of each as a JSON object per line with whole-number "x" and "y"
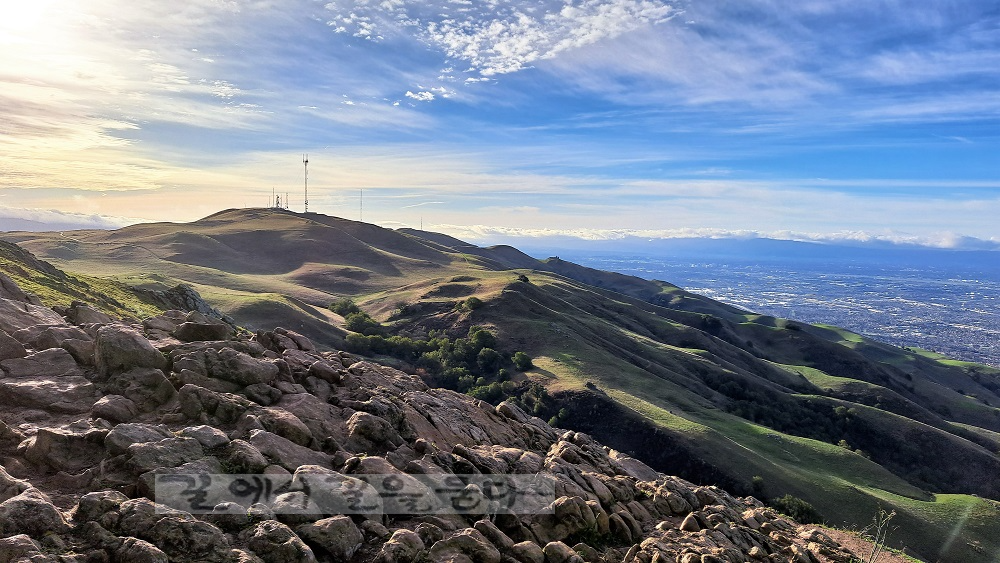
{"x": 690, "y": 385}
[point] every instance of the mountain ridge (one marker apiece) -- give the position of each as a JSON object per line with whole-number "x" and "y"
{"x": 713, "y": 378}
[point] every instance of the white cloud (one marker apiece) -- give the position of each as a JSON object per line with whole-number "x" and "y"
{"x": 943, "y": 240}
{"x": 420, "y": 96}
{"x": 13, "y": 218}
{"x": 501, "y": 36}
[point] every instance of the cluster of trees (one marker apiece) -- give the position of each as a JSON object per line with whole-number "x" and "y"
{"x": 471, "y": 364}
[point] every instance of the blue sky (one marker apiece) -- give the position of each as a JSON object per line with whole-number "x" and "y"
{"x": 820, "y": 120}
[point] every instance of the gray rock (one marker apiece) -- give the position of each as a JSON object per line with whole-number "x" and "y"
{"x": 32, "y": 513}
{"x": 286, "y": 425}
{"x": 71, "y": 394}
{"x": 82, "y": 350}
{"x": 178, "y": 534}
{"x": 239, "y": 367}
{"x": 147, "y": 387}
{"x": 120, "y": 349}
{"x": 275, "y": 542}
{"x": 19, "y": 548}
{"x": 15, "y": 315}
{"x": 468, "y": 542}
{"x": 296, "y": 507}
{"x": 169, "y": 452}
{"x": 207, "y": 436}
{"x": 81, "y": 314}
{"x": 195, "y": 332}
{"x": 368, "y": 432}
{"x": 53, "y": 362}
{"x": 496, "y": 537}
{"x": 44, "y": 337}
{"x": 239, "y": 456}
{"x": 10, "y": 347}
{"x": 262, "y": 394}
{"x": 527, "y": 552}
{"x": 403, "y": 546}
{"x": 134, "y": 550}
{"x": 337, "y": 536}
{"x": 558, "y": 552}
{"x": 9, "y": 486}
{"x": 124, "y": 435}
{"x": 115, "y": 408}
{"x": 286, "y": 453}
{"x": 64, "y": 449}
{"x": 196, "y": 402}
{"x": 10, "y": 290}
{"x": 92, "y": 506}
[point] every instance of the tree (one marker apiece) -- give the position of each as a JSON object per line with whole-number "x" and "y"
{"x": 522, "y": 361}
{"x": 488, "y": 359}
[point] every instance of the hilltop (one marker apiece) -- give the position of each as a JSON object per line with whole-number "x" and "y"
{"x": 690, "y": 386}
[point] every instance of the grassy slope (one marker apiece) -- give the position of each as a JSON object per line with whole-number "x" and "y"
{"x": 648, "y": 346}
{"x": 56, "y": 288}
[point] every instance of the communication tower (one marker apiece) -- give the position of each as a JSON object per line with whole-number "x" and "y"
{"x": 305, "y": 165}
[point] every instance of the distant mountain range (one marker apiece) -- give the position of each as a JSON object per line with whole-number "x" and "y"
{"x": 692, "y": 386}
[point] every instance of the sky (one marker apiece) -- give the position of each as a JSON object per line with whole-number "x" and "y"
{"x": 817, "y": 120}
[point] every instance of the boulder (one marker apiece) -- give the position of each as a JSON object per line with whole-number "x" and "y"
{"x": 176, "y": 533}
{"x": 207, "y": 436}
{"x": 43, "y": 337}
{"x": 404, "y": 546}
{"x": 67, "y": 449}
{"x": 169, "y": 452}
{"x": 337, "y": 536}
{"x": 468, "y": 543}
{"x": 239, "y": 367}
{"x": 286, "y": 453}
{"x": 32, "y": 513}
{"x": 53, "y": 362}
{"x": 10, "y": 347}
{"x": 527, "y": 552}
{"x": 147, "y": 387}
{"x": 64, "y": 394}
{"x": 115, "y": 408}
{"x": 558, "y": 552}
{"x": 15, "y": 315}
{"x": 239, "y": 456}
{"x": 286, "y": 425}
{"x": 195, "y": 331}
{"x": 368, "y": 432}
{"x": 92, "y": 506}
{"x": 134, "y": 550}
{"x": 20, "y": 548}
{"x": 83, "y": 314}
{"x": 275, "y": 542}
{"x": 119, "y": 349}
{"x": 124, "y": 435}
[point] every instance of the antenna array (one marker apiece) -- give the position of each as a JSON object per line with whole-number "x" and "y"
{"x": 305, "y": 165}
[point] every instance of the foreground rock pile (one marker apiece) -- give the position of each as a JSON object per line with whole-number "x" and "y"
{"x": 93, "y": 409}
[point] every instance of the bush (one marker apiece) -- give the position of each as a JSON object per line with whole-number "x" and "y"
{"x": 522, "y": 361}
{"x": 800, "y": 510}
{"x": 344, "y": 307}
{"x": 362, "y": 323}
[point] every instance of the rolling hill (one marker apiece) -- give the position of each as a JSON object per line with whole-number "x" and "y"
{"x": 692, "y": 386}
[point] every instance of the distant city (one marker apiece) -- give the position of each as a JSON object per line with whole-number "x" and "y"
{"x": 954, "y": 311}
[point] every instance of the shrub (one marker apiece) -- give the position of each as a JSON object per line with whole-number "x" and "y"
{"x": 522, "y": 361}
{"x": 361, "y": 322}
{"x": 344, "y": 307}
{"x": 800, "y": 510}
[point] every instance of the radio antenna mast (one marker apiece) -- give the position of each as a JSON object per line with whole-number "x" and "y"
{"x": 305, "y": 165}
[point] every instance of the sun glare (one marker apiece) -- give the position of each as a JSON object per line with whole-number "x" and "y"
{"x": 20, "y": 17}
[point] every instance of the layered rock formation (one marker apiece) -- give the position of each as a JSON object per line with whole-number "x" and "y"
{"x": 94, "y": 409}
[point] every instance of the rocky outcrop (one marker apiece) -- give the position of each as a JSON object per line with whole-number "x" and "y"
{"x": 84, "y": 438}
